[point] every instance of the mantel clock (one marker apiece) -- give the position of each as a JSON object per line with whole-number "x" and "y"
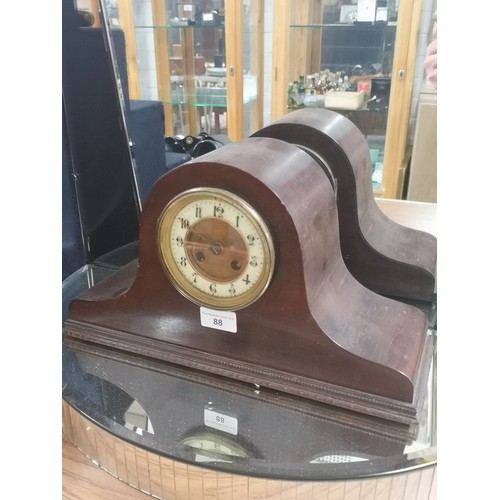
{"x": 240, "y": 274}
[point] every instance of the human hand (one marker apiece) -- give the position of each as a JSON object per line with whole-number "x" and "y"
{"x": 430, "y": 61}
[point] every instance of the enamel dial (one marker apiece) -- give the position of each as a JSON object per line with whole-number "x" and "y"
{"x": 215, "y": 248}
{"x": 210, "y": 447}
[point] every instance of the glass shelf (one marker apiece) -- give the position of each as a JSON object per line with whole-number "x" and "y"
{"x": 197, "y": 94}
{"x": 175, "y": 26}
{"x": 345, "y": 25}
{"x": 166, "y": 39}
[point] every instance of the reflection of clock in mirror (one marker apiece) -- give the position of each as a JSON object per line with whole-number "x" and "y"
{"x": 216, "y": 249}
{"x": 213, "y": 446}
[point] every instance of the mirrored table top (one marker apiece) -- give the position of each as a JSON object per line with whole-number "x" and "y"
{"x": 232, "y": 426}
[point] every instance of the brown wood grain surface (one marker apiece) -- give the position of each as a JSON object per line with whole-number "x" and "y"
{"x": 84, "y": 480}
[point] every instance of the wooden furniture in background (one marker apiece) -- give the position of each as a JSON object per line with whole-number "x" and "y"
{"x": 422, "y": 184}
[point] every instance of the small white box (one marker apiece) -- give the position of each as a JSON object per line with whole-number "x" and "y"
{"x": 381, "y": 15}
{"x": 348, "y": 13}
{"x": 366, "y": 10}
{"x": 344, "y": 100}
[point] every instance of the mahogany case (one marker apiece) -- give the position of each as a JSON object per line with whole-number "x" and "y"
{"x": 317, "y": 332}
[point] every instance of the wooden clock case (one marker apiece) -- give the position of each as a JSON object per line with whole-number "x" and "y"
{"x": 317, "y": 332}
{"x": 386, "y": 257}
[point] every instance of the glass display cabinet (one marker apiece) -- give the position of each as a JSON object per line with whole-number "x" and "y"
{"x": 201, "y": 59}
{"x": 356, "y": 58}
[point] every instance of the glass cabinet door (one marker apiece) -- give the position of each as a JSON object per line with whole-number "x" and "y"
{"x": 200, "y": 59}
{"x": 356, "y": 58}
{"x": 245, "y": 50}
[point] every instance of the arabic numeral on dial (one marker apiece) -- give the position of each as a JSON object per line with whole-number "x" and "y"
{"x": 179, "y": 241}
{"x": 253, "y": 261}
{"x": 218, "y": 211}
{"x": 251, "y": 239}
{"x": 246, "y": 279}
{"x": 195, "y": 276}
{"x": 183, "y": 262}
{"x": 198, "y": 212}
{"x": 213, "y": 288}
{"x": 184, "y": 223}
{"x": 232, "y": 290}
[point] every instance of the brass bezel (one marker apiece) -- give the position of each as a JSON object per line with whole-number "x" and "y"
{"x": 177, "y": 278}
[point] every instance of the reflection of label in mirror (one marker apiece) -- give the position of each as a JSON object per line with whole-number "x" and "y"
{"x": 221, "y": 422}
{"x": 220, "y": 320}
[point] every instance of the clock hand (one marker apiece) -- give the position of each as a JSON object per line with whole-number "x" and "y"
{"x": 216, "y": 247}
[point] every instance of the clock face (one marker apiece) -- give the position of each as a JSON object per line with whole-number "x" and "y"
{"x": 215, "y": 248}
{"x": 211, "y": 447}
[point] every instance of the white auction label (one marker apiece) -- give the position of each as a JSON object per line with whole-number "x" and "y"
{"x": 220, "y": 320}
{"x": 221, "y": 422}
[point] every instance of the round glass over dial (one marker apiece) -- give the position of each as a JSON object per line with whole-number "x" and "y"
{"x": 216, "y": 249}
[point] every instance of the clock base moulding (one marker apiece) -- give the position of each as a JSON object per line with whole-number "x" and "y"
{"x": 135, "y": 374}
{"x": 316, "y": 332}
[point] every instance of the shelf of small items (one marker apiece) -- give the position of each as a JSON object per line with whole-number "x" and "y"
{"x": 363, "y": 99}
